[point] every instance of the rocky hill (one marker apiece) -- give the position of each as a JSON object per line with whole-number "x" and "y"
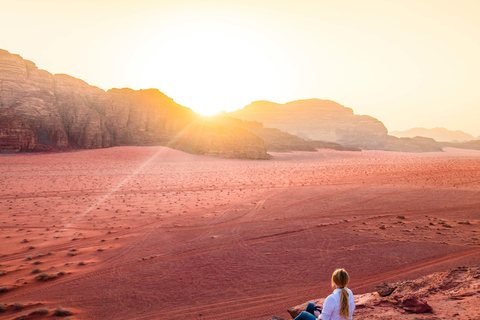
{"x": 453, "y": 294}
{"x": 42, "y": 112}
{"x": 316, "y": 119}
{"x": 277, "y": 140}
{"x": 439, "y": 134}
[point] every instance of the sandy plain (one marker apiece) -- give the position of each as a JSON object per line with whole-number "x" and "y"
{"x": 154, "y": 233}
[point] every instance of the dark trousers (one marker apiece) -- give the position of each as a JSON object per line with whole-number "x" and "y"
{"x": 308, "y": 314}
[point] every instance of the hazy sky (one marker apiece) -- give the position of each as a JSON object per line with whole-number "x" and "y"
{"x": 407, "y": 63}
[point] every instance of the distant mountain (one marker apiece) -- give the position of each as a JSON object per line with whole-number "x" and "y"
{"x": 277, "y": 140}
{"x": 439, "y": 134}
{"x": 44, "y": 112}
{"x": 316, "y": 119}
{"x": 326, "y": 120}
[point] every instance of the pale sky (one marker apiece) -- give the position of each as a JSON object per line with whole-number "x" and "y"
{"x": 407, "y": 63}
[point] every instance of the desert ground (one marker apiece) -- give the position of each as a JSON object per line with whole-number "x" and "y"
{"x": 155, "y": 233}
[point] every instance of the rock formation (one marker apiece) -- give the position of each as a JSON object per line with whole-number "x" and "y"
{"x": 473, "y": 144}
{"x": 452, "y": 294}
{"x": 439, "y": 134}
{"x": 316, "y": 119}
{"x": 326, "y": 120}
{"x": 40, "y": 111}
{"x": 277, "y": 140}
{"x": 416, "y": 144}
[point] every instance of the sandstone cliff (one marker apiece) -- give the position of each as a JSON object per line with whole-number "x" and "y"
{"x": 40, "y": 111}
{"x": 326, "y": 120}
{"x": 316, "y": 119}
{"x": 277, "y": 140}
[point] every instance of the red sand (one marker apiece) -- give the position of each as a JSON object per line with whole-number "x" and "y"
{"x": 186, "y": 236}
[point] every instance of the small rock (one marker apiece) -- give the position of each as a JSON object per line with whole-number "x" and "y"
{"x": 385, "y": 289}
{"x": 415, "y": 305}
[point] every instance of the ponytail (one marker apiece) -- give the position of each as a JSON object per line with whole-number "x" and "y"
{"x": 340, "y": 278}
{"x": 344, "y": 308}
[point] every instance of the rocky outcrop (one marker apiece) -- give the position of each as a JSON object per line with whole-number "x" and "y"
{"x": 40, "y": 111}
{"x": 439, "y": 134}
{"x": 416, "y": 144}
{"x": 277, "y": 140}
{"x": 316, "y": 119}
{"x": 442, "y": 295}
{"x": 473, "y": 145}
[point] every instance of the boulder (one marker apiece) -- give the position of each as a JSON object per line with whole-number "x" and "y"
{"x": 385, "y": 289}
{"x": 414, "y": 304}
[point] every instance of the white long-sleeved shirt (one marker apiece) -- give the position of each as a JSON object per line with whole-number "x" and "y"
{"x": 331, "y": 306}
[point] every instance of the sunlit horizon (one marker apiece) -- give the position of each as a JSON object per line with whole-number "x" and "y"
{"x": 408, "y": 64}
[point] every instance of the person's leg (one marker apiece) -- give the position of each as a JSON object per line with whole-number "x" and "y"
{"x": 305, "y": 316}
{"x": 310, "y": 308}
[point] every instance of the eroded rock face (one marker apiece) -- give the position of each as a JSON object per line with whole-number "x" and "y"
{"x": 40, "y": 111}
{"x": 316, "y": 119}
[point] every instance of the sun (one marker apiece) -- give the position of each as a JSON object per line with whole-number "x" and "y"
{"x": 212, "y": 67}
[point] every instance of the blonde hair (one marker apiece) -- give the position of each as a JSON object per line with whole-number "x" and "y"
{"x": 340, "y": 278}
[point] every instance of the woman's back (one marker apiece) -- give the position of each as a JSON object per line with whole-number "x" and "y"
{"x": 331, "y": 306}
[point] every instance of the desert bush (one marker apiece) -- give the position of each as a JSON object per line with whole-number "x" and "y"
{"x": 81, "y": 263}
{"x": 42, "y": 277}
{"x": 61, "y": 273}
{"x": 37, "y": 262}
{"x": 3, "y": 307}
{"x": 41, "y": 311}
{"x": 382, "y": 227}
{"x": 45, "y": 277}
{"x": 17, "y": 306}
{"x": 36, "y": 270}
{"x": 28, "y": 258}
{"x": 3, "y": 289}
{"x": 62, "y": 312}
{"x": 3, "y": 272}
{"x": 400, "y": 217}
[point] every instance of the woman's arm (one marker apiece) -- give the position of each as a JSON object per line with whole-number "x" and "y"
{"x": 328, "y": 308}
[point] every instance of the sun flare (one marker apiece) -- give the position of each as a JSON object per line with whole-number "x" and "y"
{"x": 214, "y": 69}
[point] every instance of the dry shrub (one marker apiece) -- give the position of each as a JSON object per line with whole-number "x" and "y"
{"x": 45, "y": 277}
{"x": 62, "y": 312}
{"x": 41, "y": 311}
{"x": 17, "y": 306}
